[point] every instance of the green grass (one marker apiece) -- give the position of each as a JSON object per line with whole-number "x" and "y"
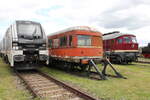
{"x": 136, "y": 87}
{"x": 8, "y": 87}
{"x": 144, "y": 59}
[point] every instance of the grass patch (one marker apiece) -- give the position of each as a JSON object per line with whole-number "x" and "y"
{"x": 136, "y": 87}
{"x": 144, "y": 59}
{"x": 8, "y": 88}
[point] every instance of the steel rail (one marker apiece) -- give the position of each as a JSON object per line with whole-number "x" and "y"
{"x": 144, "y": 62}
{"x": 58, "y": 82}
{"x": 27, "y": 85}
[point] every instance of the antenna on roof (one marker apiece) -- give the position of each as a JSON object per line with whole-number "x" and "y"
{"x": 111, "y": 33}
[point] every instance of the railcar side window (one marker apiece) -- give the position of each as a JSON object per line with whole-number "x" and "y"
{"x": 50, "y": 43}
{"x": 84, "y": 40}
{"x": 70, "y": 40}
{"x": 63, "y": 41}
{"x": 127, "y": 39}
{"x": 119, "y": 40}
{"x": 55, "y": 43}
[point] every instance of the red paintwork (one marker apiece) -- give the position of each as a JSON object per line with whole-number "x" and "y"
{"x": 146, "y": 55}
{"x": 110, "y": 46}
{"x": 81, "y": 52}
{"x": 74, "y": 51}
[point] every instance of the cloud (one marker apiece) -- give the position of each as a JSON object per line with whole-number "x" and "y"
{"x": 124, "y": 15}
{"x": 128, "y": 14}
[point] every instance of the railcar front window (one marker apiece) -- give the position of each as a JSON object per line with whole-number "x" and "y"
{"x": 29, "y": 30}
{"x": 84, "y": 40}
{"x": 134, "y": 40}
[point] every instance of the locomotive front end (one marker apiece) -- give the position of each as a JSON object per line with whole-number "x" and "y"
{"x": 30, "y": 45}
{"x": 90, "y": 47}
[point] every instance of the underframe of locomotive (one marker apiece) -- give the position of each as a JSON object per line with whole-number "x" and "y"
{"x": 122, "y": 57}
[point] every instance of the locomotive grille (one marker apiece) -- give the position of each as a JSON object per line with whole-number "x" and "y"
{"x": 19, "y": 58}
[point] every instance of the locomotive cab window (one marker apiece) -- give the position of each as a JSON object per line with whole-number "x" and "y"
{"x": 29, "y": 30}
{"x": 127, "y": 39}
{"x": 119, "y": 40}
{"x": 84, "y": 40}
{"x": 134, "y": 40}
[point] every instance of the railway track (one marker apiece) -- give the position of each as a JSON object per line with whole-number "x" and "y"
{"x": 46, "y": 87}
{"x": 144, "y": 62}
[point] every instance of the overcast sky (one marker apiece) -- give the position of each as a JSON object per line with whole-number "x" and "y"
{"x": 127, "y": 16}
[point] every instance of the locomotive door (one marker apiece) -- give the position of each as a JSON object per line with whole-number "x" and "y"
{"x": 120, "y": 45}
{"x": 127, "y": 43}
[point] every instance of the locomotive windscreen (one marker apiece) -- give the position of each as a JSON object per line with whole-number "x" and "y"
{"x": 29, "y": 30}
{"x": 134, "y": 39}
{"x": 130, "y": 39}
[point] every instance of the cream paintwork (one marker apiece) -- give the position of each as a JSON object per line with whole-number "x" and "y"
{"x": 126, "y": 51}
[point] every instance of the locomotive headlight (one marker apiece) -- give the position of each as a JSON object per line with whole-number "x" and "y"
{"x": 15, "y": 47}
{"x": 44, "y": 45}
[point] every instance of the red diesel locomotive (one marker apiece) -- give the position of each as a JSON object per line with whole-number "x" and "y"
{"x": 119, "y": 47}
{"x": 75, "y": 46}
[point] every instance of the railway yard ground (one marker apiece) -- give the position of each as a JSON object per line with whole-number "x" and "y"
{"x": 135, "y": 87}
{"x": 145, "y": 60}
{"x": 9, "y": 85}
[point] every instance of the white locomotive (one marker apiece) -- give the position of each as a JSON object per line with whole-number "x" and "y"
{"x": 24, "y": 45}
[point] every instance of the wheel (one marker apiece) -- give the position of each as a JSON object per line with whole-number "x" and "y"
{"x": 119, "y": 60}
{"x": 83, "y": 67}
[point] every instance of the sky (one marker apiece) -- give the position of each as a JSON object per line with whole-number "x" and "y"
{"x": 126, "y": 16}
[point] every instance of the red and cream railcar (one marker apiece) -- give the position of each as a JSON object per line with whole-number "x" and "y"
{"x": 119, "y": 47}
{"x": 76, "y": 45}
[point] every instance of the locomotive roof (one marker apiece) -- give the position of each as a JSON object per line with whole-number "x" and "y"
{"x": 85, "y": 28}
{"x": 113, "y": 35}
{"x": 26, "y": 21}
